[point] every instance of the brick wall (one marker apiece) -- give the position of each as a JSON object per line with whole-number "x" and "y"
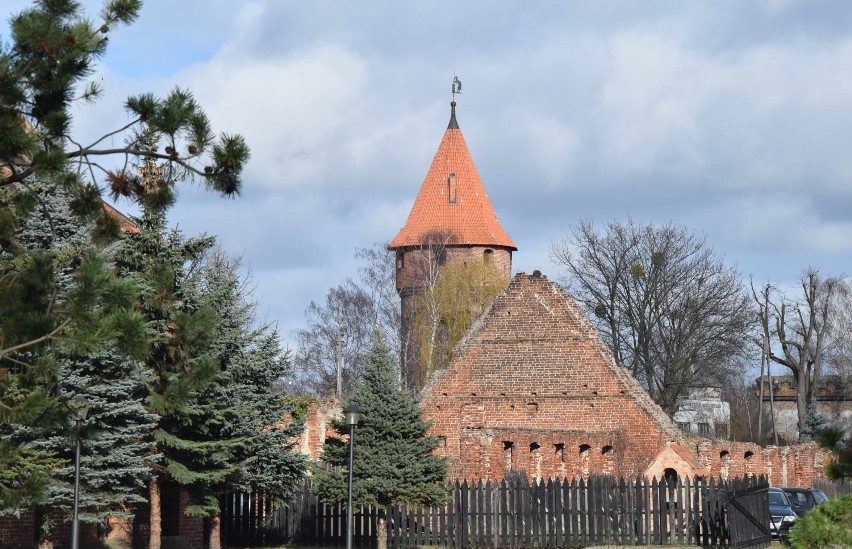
{"x": 794, "y": 466}
{"x": 413, "y": 263}
{"x": 318, "y": 426}
{"x": 22, "y": 532}
{"x": 18, "y": 532}
{"x": 531, "y": 386}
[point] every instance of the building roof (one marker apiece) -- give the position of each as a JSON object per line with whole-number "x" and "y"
{"x": 125, "y": 223}
{"x": 464, "y": 219}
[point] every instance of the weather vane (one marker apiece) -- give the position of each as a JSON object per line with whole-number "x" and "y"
{"x": 456, "y": 86}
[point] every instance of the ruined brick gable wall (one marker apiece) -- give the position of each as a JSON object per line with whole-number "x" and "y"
{"x": 531, "y": 386}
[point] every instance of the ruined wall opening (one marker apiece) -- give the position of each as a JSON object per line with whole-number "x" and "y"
{"x": 535, "y": 460}
{"x": 585, "y": 454}
{"x": 508, "y": 447}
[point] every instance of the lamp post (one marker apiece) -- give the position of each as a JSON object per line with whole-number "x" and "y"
{"x": 80, "y": 413}
{"x": 353, "y": 415}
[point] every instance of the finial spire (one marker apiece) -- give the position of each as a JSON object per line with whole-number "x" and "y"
{"x": 453, "y": 125}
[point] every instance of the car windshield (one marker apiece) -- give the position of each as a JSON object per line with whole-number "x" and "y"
{"x": 778, "y": 498}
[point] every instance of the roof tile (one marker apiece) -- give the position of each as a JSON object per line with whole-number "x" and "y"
{"x": 470, "y": 220}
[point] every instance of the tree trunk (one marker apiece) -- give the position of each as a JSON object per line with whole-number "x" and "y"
{"x": 45, "y": 535}
{"x": 156, "y": 524}
{"x": 802, "y": 404}
{"x": 381, "y": 531}
{"x": 215, "y": 532}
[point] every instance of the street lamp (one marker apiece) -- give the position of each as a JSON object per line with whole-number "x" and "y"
{"x": 353, "y": 415}
{"x": 79, "y": 413}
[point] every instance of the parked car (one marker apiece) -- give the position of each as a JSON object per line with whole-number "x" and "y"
{"x": 803, "y": 500}
{"x": 782, "y": 515}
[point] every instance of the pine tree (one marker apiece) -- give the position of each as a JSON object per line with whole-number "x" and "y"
{"x": 52, "y": 50}
{"x": 393, "y": 459}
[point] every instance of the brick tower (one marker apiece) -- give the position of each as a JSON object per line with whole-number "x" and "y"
{"x": 451, "y": 221}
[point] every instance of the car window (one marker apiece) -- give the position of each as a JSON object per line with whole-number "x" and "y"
{"x": 820, "y": 496}
{"x": 798, "y": 498}
{"x": 777, "y": 498}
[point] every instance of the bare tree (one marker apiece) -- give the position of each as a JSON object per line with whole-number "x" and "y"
{"x": 464, "y": 290}
{"x": 422, "y": 312}
{"x": 838, "y": 352}
{"x": 667, "y": 306}
{"x": 342, "y": 329}
{"x": 377, "y": 275}
{"x": 802, "y": 330}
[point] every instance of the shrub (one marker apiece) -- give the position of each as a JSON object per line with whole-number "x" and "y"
{"x": 828, "y": 525}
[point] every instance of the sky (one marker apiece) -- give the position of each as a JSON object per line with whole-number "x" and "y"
{"x": 731, "y": 118}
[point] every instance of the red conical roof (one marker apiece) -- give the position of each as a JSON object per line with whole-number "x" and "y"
{"x": 470, "y": 220}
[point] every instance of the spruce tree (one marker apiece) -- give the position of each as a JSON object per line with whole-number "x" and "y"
{"x": 240, "y": 411}
{"x": 159, "y": 262}
{"x": 393, "y": 459}
{"x": 116, "y": 444}
{"x": 32, "y": 435}
{"x": 815, "y": 421}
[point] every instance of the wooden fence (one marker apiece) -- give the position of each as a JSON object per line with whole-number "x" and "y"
{"x": 833, "y": 488}
{"x": 510, "y": 514}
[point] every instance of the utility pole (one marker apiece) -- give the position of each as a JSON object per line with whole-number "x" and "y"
{"x": 760, "y": 401}
{"x": 339, "y": 392}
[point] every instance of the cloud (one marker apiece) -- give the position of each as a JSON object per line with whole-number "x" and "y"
{"x": 730, "y": 117}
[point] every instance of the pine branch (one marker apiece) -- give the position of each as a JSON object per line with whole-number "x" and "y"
{"x": 36, "y": 341}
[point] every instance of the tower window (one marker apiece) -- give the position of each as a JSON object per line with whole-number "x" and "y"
{"x": 452, "y": 189}
{"x": 400, "y": 261}
{"x": 488, "y": 254}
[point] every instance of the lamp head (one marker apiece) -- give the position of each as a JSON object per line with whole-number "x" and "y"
{"x": 81, "y": 409}
{"x": 352, "y": 414}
